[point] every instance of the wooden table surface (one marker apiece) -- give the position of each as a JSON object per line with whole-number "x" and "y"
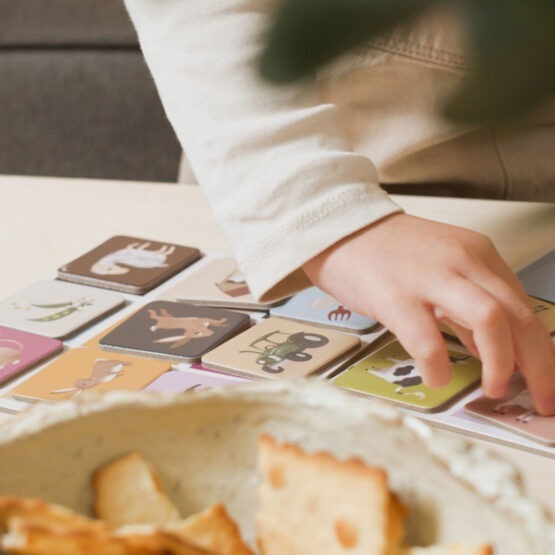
{"x": 45, "y": 222}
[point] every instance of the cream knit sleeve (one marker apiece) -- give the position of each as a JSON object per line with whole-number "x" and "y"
{"x": 281, "y": 179}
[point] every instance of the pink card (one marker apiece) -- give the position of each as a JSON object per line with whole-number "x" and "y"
{"x": 181, "y": 381}
{"x": 516, "y": 413}
{"x": 20, "y": 350}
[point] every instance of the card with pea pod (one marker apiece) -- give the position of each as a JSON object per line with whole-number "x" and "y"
{"x": 57, "y": 309}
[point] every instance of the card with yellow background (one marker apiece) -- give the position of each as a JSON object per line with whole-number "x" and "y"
{"x": 84, "y": 369}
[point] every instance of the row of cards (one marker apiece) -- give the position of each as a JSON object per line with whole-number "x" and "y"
{"x": 190, "y": 323}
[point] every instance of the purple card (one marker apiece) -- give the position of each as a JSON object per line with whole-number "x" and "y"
{"x": 180, "y": 381}
{"x": 515, "y": 412}
{"x": 20, "y": 350}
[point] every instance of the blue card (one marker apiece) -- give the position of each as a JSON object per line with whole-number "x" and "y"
{"x": 539, "y": 277}
{"x": 317, "y": 307}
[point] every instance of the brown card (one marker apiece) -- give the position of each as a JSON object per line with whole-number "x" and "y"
{"x": 129, "y": 264}
{"x": 277, "y": 348}
{"x": 85, "y": 369}
{"x": 515, "y": 412}
{"x": 217, "y": 283}
{"x": 175, "y": 331}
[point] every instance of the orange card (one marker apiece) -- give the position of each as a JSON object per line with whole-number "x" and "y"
{"x": 85, "y": 369}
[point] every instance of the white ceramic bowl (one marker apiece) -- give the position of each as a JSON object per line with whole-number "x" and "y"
{"x": 203, "y": 446}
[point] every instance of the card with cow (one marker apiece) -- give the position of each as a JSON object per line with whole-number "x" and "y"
{"x": 175, "y": 331}
{"x": 57, "y": 309}
{"x": 539, "y": 277}
{"x": 281, "y": 349}
{"x": 218, "y": 283}
{"x": 391, "y": 373}
{"x": 129, "y": 264}
{"x": 515, "y": 412}
{"x": 191, "y": 379}
{"x": 82, "y": 370}
{"x": 20, "y": 351}
{"x": 316, "y": 307}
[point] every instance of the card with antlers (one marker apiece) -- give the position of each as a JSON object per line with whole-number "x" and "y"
{"x": 129, "y": 264}
{"x": 175, "y": 331}
{"x": 317, "y": 307}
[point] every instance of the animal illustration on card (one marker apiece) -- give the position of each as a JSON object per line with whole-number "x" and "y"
{"x": 391, "y": 373}
{"x": 129, "y": 264}
{"x": 103, "y": 371}
{"x": 522, "y": 400}
{"x": 405, "y": 373}
{"x": 514, "y": 412}
{"x": 10, "y": 352}
{"x": 134, "y": 255}
{"x": 274, "y": 348}
{"x": 193, "y": 327}
{"x": 176, "y": 331}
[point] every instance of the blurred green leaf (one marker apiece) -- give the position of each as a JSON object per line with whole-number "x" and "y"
{"x": 514, "y": 41}
{"x": 309, "y": 33}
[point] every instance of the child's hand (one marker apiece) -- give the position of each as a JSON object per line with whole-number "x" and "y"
{"x": 410, "y": 273}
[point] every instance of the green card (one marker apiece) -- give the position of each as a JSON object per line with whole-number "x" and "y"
{"x": 392, "y": 374}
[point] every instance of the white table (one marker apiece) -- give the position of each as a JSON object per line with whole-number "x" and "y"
{"x": 45, "y": 222}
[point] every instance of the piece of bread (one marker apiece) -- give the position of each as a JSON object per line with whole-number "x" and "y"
{"x": 479, "y": 549}
{"x": 40, "y": 513}
{"x": 314, "y": 503}
{"x": 212, "y": 529}
{"x": 25, "y": 538}
{"x": 128, "y": 491}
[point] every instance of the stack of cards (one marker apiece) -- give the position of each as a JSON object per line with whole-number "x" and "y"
{"x": 129, "y": 264}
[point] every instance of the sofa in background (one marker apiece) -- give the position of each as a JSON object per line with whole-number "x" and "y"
{"x": 76, "y": 97}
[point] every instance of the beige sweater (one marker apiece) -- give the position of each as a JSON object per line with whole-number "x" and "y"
{"x": 290, "y": 170}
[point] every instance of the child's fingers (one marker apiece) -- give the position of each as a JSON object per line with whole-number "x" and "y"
{"x": 416, "y": 329}
{"x": 485, "y": 317}
{"x": 532, "y": 345}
